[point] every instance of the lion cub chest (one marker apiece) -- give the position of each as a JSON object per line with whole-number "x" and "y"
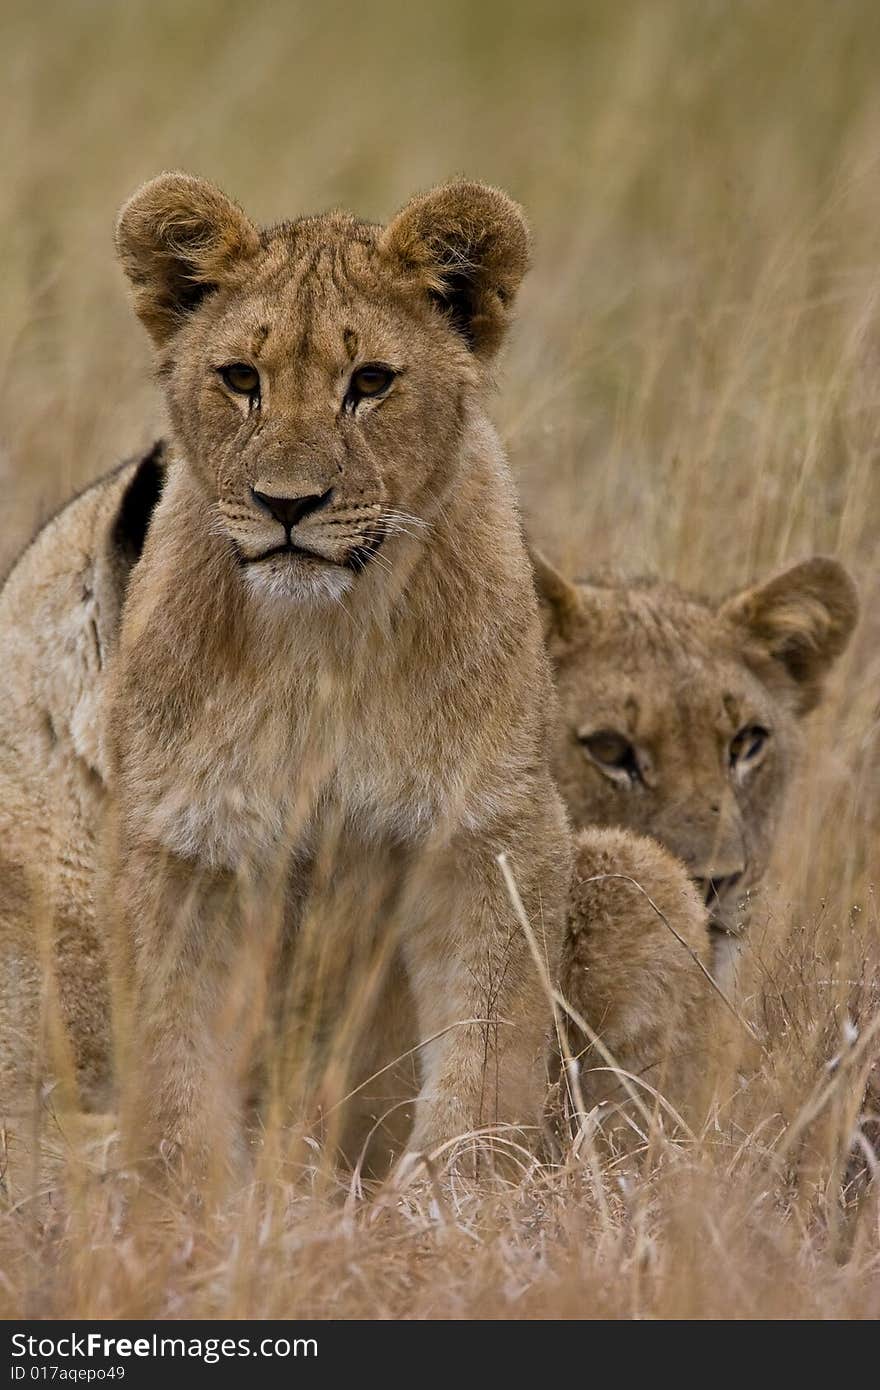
{"x": 232, "y": 782}
{"x": 255, "y": 776}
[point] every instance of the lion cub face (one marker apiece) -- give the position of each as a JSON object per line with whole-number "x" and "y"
{"x": 317, "y": 373}
{"x": 682, "y": 720}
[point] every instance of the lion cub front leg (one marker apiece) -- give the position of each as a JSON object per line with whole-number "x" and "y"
{"x": 193, "y": 989}
{"x": 483, "y": 1015}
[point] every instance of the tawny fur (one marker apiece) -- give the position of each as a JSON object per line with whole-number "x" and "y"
{"x": 631, "y": 969}
{"x": 384, "y": 688}
{"x": 59, "y": 624}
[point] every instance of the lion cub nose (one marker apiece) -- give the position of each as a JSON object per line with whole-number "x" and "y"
{"x": 290, "y": 510}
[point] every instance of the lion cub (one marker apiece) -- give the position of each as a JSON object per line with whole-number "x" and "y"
{"x": 330, "y": 655}
{"x": 680, "y": 720}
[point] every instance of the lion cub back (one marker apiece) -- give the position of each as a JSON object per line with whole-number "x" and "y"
{"x": 59, "y": 619}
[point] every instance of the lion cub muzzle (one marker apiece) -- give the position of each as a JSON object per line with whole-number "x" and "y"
{"x": 289, "y": 512}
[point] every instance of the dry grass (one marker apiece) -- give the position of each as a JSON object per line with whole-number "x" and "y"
{"x": 693, "y": 388}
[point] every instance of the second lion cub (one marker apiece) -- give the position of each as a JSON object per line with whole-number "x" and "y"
{"x": 680, "y": 720}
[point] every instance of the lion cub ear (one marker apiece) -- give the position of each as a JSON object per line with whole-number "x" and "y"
{"x": 561, "y": 603}
{"x": 801, "y": 619}
{"x": 177, "y": 238}
{"x": 469, "y": 246}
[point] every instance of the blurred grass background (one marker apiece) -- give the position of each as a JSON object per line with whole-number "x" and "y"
{"x": 692, "y": 387}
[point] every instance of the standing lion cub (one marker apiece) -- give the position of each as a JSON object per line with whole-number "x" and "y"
{"x": 332, "y": 625}
{"x": 330, "y": 653}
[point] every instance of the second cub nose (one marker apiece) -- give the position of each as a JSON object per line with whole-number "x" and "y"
{"x": 714, "y": 888}
{"x": 290, "y": 510}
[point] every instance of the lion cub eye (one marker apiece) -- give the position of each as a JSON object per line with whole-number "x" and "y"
{"x": 747, "y": 744}
{"x": 240, "y": 378}
{"x": 613, "y": 753}
{"x": 372, "y": 379}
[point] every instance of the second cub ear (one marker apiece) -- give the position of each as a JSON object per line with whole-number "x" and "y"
{"x": 560, "y": 600}
{"x": 801, "y": 620}
{"x": 469, "y": 245}
{"x": 177, "y": 238}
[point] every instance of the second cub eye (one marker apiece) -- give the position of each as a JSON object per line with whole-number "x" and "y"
{"x": 241, "y": 378}
{"x": 748, "y": 743}
{"x": 613, "y": 752}
{"x": 370, "y": 380}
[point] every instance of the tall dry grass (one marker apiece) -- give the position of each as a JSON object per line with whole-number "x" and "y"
{"x": 692, "y": 389}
